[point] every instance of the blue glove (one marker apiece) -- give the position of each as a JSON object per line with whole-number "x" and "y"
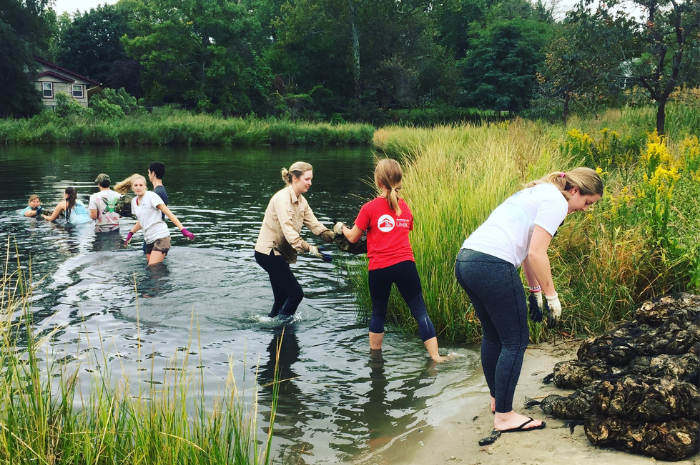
{"x": 535, "y": 310}
{"x": 316, "y": 251}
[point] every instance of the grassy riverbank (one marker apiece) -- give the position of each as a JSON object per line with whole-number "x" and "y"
{"x": 170, "y": 127}
{"x": 47, "y": 417}
{"x": 641, "y": 241}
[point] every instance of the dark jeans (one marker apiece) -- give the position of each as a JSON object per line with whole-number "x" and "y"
{"x": 285, "y": 287}
{"x": 496, "y": 292}
{"x": 405, "y": 275}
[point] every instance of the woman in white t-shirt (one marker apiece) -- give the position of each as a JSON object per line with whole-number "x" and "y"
{"x": 518, "y": 232}
{"x": 147, "y": 206}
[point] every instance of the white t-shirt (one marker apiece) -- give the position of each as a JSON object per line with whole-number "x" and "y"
{"x": 507, "y": 232}
{"x": 150, "y": 217}
{"x": 104, "y": 202}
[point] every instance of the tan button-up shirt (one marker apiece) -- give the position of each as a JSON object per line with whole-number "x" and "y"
{"x": 284, "y": 217}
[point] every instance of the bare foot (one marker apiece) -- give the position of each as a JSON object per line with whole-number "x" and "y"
{"x": 493, "y": 405}
{"x": 512, "y": 420}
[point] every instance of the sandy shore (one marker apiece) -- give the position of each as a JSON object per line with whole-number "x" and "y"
{"x": 457, "y": 428}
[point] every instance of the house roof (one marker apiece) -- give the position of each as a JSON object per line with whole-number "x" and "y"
{"x": 64, "y": 70}
{"x": 56, "y": 75}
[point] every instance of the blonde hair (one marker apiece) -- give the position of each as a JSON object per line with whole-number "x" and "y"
{"x": 124, "y": 186}
{"x": 32, "y": 197}
{"x": 585, "y": 179}
{"x": 297, "y": 169}
{"x": 388, "y": 174}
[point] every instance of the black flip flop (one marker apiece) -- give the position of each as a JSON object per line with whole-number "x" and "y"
{"x": 522, "y": 428}
{"x": 490, "y": 439}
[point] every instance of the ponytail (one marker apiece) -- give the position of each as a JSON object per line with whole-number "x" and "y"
{"x": 585, "y": 179}
{"x": 388, "y": 174}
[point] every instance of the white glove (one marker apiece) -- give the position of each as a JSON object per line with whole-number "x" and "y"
{"x": 338, "y": 228}
{"x": 554, "y": 310}
{"x": 313, "y": 250}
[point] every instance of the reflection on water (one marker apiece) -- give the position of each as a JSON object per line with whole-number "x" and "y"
{"x": 209, "y": 299}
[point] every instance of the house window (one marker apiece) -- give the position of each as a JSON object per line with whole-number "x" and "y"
{"x": 77, "y": 91}
{"x": 47, "y": 87}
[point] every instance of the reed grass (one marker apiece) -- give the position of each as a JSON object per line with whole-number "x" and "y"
{"x": 454, "y": 176}
{"x": 639, "y": 242}
{"x": 47, "y": 418}
{"x": 166, "y": 127}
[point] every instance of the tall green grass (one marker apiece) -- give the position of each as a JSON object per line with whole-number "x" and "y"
{"x": 454, "y": 176}
{"x": 639, "y": 242}
{"x": 169, "y": 127}
{"x": 47, "y": 418}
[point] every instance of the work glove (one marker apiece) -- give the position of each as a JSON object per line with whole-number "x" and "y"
{"x": 338, "y": 228}
{"x": 535, "y": 304}
{"x": 187, "y": 234}
{"x": 128, "y": 238}
{"x": 554, "y": 313}
{"x": 327, "y": 236}
{"x": 326, "y": 257}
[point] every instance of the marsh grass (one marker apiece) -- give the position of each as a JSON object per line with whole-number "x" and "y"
{"x": 454, "y": 176}
{"x": 641, "y": 241}
{"x": 170, "y": 127}
{"x": 47, "y": 417}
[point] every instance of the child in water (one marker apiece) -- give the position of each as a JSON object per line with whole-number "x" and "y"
{"x": 72, "y": 208}
{"x": 34, "y": 207}
{"x": 388, "y": 221}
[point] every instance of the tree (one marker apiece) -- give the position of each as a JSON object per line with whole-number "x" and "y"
{"x": 499, "y": 69}
{"x": 665, "y": 32}
{"x": 665, "y": 36}
{"x": 91, "y": 44}
{"x": 197, "y": 52}
{"x": 584, "y": 62}
{"x": 25, "y": 31}
{"x": 367, "y": 54}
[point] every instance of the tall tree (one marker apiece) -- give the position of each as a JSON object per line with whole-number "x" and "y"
{"x": 665, "y": 36}
{"x": 500, "y": 68}
{"x": 585, "y": 61}
{"x": 25, "y": 31}
{"x": 91, "y": 43}
{"x": 197, "y": 52}
{"x": 666, "y": 30}
{"x": 377, "y": 52}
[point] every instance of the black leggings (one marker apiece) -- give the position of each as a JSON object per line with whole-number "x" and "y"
{"x": 285, "y": 287}
{"x": 405, "y": 275}
{"x": 496, "y": 292}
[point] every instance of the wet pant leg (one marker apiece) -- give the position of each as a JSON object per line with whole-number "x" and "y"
{"x": 286, "y": 289}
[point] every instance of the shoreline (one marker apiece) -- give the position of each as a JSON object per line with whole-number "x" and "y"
{"x": 454, "y": 439}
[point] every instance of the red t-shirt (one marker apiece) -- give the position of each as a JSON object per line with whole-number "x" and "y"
{"x": 387, "y": 234}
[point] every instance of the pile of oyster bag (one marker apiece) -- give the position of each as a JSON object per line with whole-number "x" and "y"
{"x": 637, "y": 386}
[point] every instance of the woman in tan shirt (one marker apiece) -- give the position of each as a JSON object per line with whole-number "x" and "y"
{"x": 279, "y": 240}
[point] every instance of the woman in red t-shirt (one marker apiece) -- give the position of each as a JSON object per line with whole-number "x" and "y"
{"x": 388, "y": 220}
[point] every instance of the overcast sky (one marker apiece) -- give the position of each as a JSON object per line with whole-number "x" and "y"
{"x": 83, "y": 5}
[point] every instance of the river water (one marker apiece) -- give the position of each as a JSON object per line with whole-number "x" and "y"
{"x": 210, "y": 299}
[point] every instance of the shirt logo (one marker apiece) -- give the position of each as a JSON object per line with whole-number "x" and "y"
{"x": 385, "y": 223}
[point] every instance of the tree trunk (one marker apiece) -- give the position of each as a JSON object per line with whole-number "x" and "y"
{"x": 355, "y": 50}
{"x": 661, "y": 118}
{"x": 565, "y": 114}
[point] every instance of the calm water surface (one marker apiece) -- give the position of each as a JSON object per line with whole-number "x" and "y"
{"x": 209, "y": 300}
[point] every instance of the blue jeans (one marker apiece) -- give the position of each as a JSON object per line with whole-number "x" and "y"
{"x": 496, "y": 292}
